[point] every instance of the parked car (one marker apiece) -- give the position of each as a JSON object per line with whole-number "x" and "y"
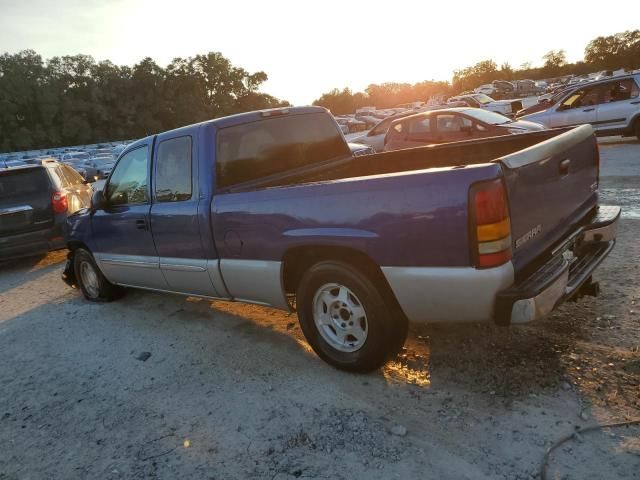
{"x": 276, "y": 208}
{"x": 102, "y": 166}
{"x": 84, "y": 168}
{"x": 479, "y": 100}
{"x": 375, "y": 137}
{"x": 612, "y": 106}
{"x": 35, "y": 201}
{"x": 487, "y": 89}
{"x": 451, "y": 125}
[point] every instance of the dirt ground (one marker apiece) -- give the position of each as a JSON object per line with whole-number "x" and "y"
{"x": 160, "y": 386}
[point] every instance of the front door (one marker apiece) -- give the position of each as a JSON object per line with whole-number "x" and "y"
{"x": 577, "y": 109}
{"x": 175, "y": 219}
{"x": 125, "y": 250}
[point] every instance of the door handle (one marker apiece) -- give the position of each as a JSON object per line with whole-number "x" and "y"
{"x": 589, "y": 109}
{"x": 142, "y": 224}
{"x": 563, "y": 166}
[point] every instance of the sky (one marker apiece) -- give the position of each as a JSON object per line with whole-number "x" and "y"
{"x": 309, "y": 47}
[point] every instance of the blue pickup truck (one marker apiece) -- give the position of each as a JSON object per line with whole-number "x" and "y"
{"x": 271, "y": 207}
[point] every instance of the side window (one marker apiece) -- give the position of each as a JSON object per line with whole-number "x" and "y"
{"x": 74, "y": 177}
{"x": 620, "y": 90}
{"x": 173, "y": 170}
{"x": 381, "y": 128}
{"x": 64, "y": 182}
{"x": 128, "y": 182}
{"x": 448, "y": 123}
{"x": 573, "y": 100}
{"x": 420, "y": 125}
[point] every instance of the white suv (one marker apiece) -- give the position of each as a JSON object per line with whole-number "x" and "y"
{"x": 611, "y": 106}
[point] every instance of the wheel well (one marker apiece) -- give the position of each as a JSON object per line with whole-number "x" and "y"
{"x": 75, "y": 244}
{"x": 298, "y": 260}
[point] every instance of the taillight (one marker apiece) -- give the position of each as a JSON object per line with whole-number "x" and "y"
{"x": 59, "y": 202}
{"x": 490, "y": 226}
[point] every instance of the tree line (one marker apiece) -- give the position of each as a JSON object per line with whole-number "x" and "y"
{"x": 74, "y": 100}
{"x": 621, "y": 50}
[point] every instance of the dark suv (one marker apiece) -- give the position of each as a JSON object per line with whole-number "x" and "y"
{"x": 35, "y": 201}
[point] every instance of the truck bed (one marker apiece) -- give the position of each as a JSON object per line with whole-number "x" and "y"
{"x": 456, "y": 154}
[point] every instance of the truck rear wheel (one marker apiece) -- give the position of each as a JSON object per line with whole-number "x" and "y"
{"x": 345, "y": 318}
{"x": 95, "y": 287}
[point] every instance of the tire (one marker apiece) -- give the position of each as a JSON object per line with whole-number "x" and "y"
{"x": 95, "y": 287}
{"x": 345, "y": 318}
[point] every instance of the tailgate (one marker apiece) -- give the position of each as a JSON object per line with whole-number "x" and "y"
{"x": 551, "y": 187}
{"x": 25, "y": 200}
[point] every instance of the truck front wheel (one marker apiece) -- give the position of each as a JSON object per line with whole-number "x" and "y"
{"x": 345, "y": 318}
{"x": 95, "y": 287}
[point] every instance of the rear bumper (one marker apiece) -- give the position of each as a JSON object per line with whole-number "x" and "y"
{"x": 561, "y": 277}
{"x": 31, "y": 243}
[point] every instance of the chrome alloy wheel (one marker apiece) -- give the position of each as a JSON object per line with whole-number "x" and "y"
{"x": 340, "y": 317}
{"x": 89, "y": 279}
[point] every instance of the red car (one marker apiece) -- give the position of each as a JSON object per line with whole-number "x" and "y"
{"x": 452, "y": 125}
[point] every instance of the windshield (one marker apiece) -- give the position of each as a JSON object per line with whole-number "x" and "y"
{"x": 487, "y": 116}
{"x": 483, "y": 99}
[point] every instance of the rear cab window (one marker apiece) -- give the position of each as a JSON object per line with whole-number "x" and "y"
{"x": 257, "y": 150}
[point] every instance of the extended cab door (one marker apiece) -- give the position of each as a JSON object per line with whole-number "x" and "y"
{"x": 620, "y": 102}
{"x": 175, "y": 219}
{"x": 125, "y": 249}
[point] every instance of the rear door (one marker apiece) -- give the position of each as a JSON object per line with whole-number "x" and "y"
{"x": 174, "y": 216}
{"x": 551, "y": 187}
{"x": 619, "y": 103}
{"x": 125, "y": 248}
{"x": 25, "y": 200}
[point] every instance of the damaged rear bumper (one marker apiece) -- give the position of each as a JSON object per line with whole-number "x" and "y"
{"x": 564, "y": 276}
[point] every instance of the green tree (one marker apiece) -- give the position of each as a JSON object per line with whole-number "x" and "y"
{"x": 614, "y": 51}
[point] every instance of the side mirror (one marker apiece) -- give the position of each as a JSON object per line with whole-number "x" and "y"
{"x": 98, "y": 200}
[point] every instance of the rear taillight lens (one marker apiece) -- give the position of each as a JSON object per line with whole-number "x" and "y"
{"x": 490, "y": 225}
{"x": 59, "y": 202}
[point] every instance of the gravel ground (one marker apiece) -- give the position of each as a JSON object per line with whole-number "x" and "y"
{"x": 159, "y": 386}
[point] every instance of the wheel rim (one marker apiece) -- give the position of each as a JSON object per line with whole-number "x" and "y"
{"x": 89, "y": 279}
{"x": 340, "y": 317}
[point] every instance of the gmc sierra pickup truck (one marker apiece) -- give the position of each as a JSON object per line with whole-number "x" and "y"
{"x": 270, "y": 207}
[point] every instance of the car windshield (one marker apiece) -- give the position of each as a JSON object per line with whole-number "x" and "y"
{"x": 487, "y": 116}
{"x": 483, "y": 99}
